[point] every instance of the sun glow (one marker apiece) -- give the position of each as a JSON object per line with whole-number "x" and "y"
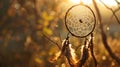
{"x": 118, "y": 0}
{"x": 110, "y": 2}
{"x": 83, "y": 1}
{"x": 88, "y": 2}
{"x": 75, "y": 1}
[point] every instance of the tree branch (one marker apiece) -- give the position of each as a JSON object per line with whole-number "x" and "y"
{"x": 103, "y": 35}
{"x": 114, "y": 12}
{"x": 52, "y": 41}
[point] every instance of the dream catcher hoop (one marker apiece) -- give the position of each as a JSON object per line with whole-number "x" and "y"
{"x": 80, "y": 20}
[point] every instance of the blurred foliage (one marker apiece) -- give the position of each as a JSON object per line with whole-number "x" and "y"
{"x": 22, "y": 44}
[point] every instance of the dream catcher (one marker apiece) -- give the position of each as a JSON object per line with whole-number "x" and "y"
{"x": 80, "y": 22}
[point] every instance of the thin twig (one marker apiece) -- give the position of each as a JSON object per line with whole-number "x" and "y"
{"x": 51, "y": 41}
{"x": 114, "y": 12}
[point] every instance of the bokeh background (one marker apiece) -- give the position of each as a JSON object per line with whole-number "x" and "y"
{"x": 23, "y": 23}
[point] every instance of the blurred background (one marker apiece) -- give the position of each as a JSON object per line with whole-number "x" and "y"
{"x": 23, "y": 22}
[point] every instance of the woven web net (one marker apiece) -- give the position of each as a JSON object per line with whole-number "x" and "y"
{"x": 80, "y": 20}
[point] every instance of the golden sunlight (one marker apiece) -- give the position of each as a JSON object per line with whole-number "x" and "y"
{"x": 87, "y": 1}
{"x": 118, "y": 0}
{"x": 110, "y": 3}
{"x": 83, "y": 1}
{"x": 75, "y": 1}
